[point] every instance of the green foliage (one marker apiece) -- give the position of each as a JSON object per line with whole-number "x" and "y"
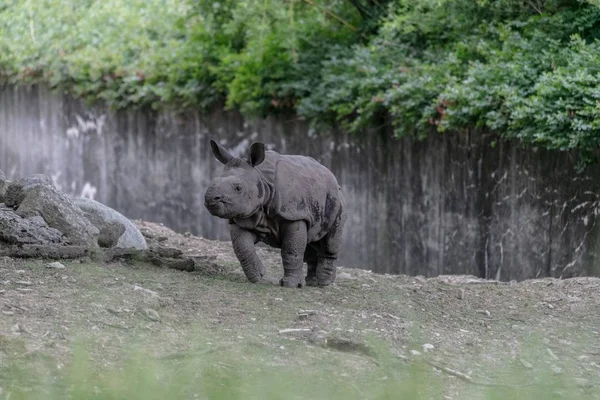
{"x": 526, "y": 69}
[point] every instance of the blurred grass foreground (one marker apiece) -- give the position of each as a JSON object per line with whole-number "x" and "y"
{"x": 254, "y": 372}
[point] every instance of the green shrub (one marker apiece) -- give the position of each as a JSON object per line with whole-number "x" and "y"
{"x": 525, "y": 69}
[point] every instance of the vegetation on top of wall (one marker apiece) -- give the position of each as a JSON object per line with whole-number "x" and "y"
{"x": 526, "y": 69}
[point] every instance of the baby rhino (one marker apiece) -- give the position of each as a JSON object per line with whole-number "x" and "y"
{"x": 289, "y": 202}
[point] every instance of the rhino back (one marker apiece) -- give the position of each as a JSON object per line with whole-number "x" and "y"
{"x": 304, "y": 190}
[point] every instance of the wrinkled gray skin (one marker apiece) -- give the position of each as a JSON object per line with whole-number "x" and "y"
{"x": 288, "y": 202}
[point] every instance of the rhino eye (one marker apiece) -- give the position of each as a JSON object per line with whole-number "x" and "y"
{"x": 238, "y": 188}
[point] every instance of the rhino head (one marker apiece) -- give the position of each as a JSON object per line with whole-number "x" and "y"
{"x": 240, "y": 191}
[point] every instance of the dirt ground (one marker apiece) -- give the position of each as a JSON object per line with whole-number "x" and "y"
{"x": 470, "y": 332}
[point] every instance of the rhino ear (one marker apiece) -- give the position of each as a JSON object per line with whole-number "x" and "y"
{"x": 220, "y": 153}
{"x": 257, "y": 154}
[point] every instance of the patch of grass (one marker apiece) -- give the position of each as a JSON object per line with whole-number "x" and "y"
{"x": 256, "y": 372}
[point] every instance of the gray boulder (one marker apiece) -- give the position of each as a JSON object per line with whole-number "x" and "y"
{"x": 15, "y": 192}
{"x": 3, "y": 186}
{"x": 115, "y": 229}
{"x": 18, "y": 231}
{"x": 36, "y": 196}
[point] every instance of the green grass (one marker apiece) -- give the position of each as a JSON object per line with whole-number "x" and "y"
{"x": 255, "y": 372}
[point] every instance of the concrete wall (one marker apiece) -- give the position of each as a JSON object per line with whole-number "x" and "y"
{"x": 447, "y": 205}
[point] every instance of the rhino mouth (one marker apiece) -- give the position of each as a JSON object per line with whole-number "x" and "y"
{"x": 215, "y": 208}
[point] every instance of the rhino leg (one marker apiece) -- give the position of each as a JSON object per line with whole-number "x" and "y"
{"x": 311, "y": 259}
{"x": 243, "y": 245}
{"x": 330, "y": 246}
{"x": 293, "y": 245}
{"x": 325, "y": 271}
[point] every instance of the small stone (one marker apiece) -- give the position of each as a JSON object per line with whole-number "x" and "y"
{"x": 427, "y": 347}
{"x": 308, "y": 312}
{"x": 582, "y": 382}
{"x": 556, "y": 369}
{"x": 151, "y": 314}
{"x": 137, "y": 288}
{"x": 55, "y": 265}
{"x": 551, "y": 353}
{"x": 24, "y": 283}
{"x": 162, "y": 239}
{"x": 345, "y": 276}
{"x": 187, "y": 234}
{"x": 24, "y": 290}
{"x": 526, "y": 364}
{"x": 17, "y": 329}
{"x": 415, "y": 352}
{"x": 8, "y": 313}
{"x": 461, "y": 294}
{"x": 302, "y": 317}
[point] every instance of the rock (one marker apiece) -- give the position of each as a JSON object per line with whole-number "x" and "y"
{"x": 137, "y": 288}
{"x": 556, "y": 369}
{"x": 16, "y": 191}
{"x": 551, "y": 353}
{"x": 583, "y": 383}
{"x": 295, "y": 330}
{"x": 19, "y": 231}
{"x": 36, "y": 196}
{"x": 526, "y": 364}
{"x": 427, "y": 347}
{"x": 110, "y": 234}
{"x": 55, "y": 265}
{"x": 345, "y": 276}
{"x": 151, "y": 314}
{"x": 415, "y": 352}
{"x": 184, "y": 264}
{"x": 3, "y": 186}
{"x": 115, "y": 229}
{"x": 50, "y": 251}
{"x": 168, "y": 252}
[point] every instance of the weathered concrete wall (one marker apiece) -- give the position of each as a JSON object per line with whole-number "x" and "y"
{"x": 450, "y": 204}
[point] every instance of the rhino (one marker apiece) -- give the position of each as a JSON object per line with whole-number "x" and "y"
{"x": 289, "y": 202}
